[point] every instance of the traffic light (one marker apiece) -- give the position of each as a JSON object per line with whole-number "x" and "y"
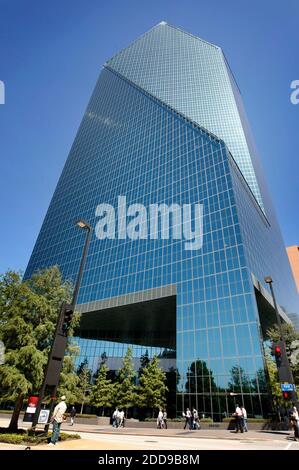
{"x": 277, "y": 352}
{"x": 286, "y": 395}
{"x": 282, "y": 362}
{"x": 67, "y": 318}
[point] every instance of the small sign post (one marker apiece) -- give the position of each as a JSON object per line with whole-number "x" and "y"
{"x": 286, "y": 387}
{"x": 43, "y": 417}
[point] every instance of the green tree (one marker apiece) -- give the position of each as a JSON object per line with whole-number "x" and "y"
{"x": 28, "y": 310}
{"x": 125, "y": 388}
{"x": 103, "y": 390}
{"x": 240, "y": 381}
{"x": 104, "y": 358}
{"x": 144, "y": 361}
{"x": 259, "y": 384}
{"x": 274, "y": 382}
{"x": 69, "y": 380}
{"x": 84, "y": 384}
{"x": 200, "y": 378}
{"x": 152, "y": 386}
{"x": 289, "y": 334}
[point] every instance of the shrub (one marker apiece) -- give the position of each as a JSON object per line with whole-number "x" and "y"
{"x": 24, "y": 438}
{"x": 66, "y": 437}
{"x": 11, "y": 438}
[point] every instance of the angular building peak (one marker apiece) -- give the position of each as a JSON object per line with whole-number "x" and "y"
{"x": 192, "y": 76}
{"x": 163, "y": 25}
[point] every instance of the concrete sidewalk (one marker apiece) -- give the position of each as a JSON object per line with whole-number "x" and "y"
{"x": 108, "y": 442}
{"x": 213, "y": 433}
{"x": 106, "y": 438}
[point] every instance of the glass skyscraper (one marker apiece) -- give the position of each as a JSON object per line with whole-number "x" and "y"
{"x": 166, "y": 126}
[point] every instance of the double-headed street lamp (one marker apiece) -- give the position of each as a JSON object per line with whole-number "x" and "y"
{"x": 284, "y": 370}
{"x": 55, "y": 360}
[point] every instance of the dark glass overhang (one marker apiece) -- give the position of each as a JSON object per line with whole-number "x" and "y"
{"x": 148, "y": 323}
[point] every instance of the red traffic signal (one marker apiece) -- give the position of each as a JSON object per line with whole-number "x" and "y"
{"x": 286, "y": 395}
{"x": 277, "y": 352}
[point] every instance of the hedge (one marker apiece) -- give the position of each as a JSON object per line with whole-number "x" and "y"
{"x": 26, "y": 439}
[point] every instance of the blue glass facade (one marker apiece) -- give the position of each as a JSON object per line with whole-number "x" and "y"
{"x": 151, "y": 147}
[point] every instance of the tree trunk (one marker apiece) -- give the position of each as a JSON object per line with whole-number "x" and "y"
{"x": 82, "y": 408}
{"x": 103, "y": 410}
{"x": 13, "y": 425}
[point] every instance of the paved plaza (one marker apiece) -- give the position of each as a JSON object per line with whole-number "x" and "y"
{"x": 107, "y": 438}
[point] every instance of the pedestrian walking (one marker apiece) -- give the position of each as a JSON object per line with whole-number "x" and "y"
{"x": 188, "y": 418}
{"x": 164, "y": 419}
{"x": 244, "y": 419}
{"x": 72, "y": 415}
{"x": 115, "y": 418}
{"x": 239, "y": 419}
{"x": 294, "y": 419}
{"x": 160, "y": 419}
{"x": 121, "y": 417}
{"x": 57, "y": 418}
{"x": 195, "y": 419}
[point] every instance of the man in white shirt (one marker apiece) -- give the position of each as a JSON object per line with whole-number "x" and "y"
{"x": 115, "y": 418}
{"x": 239, "y": 418}
{"x": 160, "y": 419}
{"x": 188, "y": 418}
{"x": 57, "y": 419}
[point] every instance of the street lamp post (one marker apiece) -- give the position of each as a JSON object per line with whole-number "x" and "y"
{"x": 284, "y": 372}
{"x": 85, "y": 226}
{"x": 53, "y": 369}
{"x": 269, "y": 281}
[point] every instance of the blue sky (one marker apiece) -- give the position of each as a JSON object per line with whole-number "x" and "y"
{"x": 51, "y": 53}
